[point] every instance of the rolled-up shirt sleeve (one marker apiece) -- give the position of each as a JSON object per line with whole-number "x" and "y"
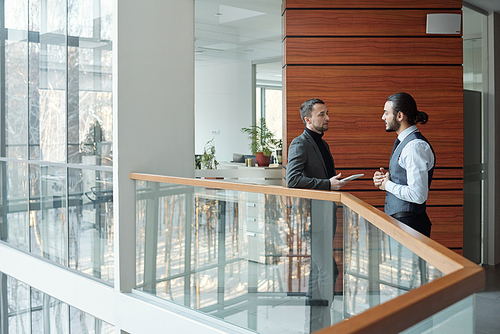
{"x": 417, "y": 159}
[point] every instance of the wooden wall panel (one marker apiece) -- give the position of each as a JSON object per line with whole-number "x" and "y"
{"x": 439, "y": 173}
{"x": 366, "y": 182}
{"x": 447, "y": 225}
{"x": 353, "y": 55}
{"x": 355, "y": 96}
{"x": 314, "y": 22}
{"x": 449, "y": 173}
{"x": 371, "y": 4}
{"x": 435, "y": 198}
{"x": 362, "y": 50}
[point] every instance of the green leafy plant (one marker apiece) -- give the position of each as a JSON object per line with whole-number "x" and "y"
{"x": 208, "y": 160}
{"x": 261, "y": 138}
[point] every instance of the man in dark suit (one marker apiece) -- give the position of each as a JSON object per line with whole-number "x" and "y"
{"x": 310, "y": 163}
{"x": 311, "y": 166}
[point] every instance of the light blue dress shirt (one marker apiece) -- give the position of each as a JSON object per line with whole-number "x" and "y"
{"x": 417, "y": 159}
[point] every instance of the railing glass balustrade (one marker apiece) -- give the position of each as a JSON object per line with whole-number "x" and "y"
{"x": 267, "y": 263}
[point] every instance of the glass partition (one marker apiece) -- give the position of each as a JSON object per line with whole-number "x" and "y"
{"x": 48, "y": 221}
{"x": 458, "y": 318}
{"x": 28, "y": 310}
{"x": 268, "y": 263}
{"x": 90, "y": 222}
{"x": 56, "y": 131}
{"x": 377, "y": 268}
{"x": 14, "y": 201}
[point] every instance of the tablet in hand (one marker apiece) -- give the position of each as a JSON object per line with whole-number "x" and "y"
{"x": 352, "y": 177}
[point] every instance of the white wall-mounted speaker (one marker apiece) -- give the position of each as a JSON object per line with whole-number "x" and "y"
{"x": 443, "y": 23}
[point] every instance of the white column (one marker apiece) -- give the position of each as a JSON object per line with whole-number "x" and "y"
{"x": 153, "y": 108}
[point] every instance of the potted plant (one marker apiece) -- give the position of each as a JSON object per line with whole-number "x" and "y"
{"x": 262, "y": 142}
{"x": 208, "y": 160}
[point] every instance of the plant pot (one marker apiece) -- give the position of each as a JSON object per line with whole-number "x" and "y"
{"x": 262, "y": 160}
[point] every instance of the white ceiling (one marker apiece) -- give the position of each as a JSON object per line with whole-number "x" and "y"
{"x": 250, "y": 30}
{"x": 487, "y": 5}
{"x": 235, "y": 30}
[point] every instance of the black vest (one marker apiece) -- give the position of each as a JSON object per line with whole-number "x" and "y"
{"x": 398, "y": 176}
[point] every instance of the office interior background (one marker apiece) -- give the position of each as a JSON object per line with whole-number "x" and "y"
{"x": 92, "y": 92}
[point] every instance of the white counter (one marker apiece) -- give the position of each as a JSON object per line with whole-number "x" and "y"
{"x": 238, "y": 172}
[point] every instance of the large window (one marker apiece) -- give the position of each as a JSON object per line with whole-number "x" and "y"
{"x": 56, "y": 131}
{"x": 31, "y": 311}
{"x": 268, "y": 106}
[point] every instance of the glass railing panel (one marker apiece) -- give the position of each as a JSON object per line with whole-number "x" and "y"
{"x": 377, "y": 268}
{"x": 268, "y": 263}
{"x": 459, "y": 318}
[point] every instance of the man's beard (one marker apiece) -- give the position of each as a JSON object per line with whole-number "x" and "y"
{"x": 392, "y": 127}
{"x": 320, "y": 129}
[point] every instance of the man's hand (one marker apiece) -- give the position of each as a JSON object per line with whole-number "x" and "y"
{"x": 380, "y": 178}
{"x": 335, "y": 183}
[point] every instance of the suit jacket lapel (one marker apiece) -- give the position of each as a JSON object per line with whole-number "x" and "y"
{"x": 315, "y": 147}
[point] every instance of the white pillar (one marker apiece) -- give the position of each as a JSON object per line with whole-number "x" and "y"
{"x": 153, "y": 108}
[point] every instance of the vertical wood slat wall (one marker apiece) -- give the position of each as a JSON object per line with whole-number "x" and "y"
{"x": 353, "y": 55}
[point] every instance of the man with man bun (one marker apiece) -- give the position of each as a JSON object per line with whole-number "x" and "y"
{"x": 411, "y": 165}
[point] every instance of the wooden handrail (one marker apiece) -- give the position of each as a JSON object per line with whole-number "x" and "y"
{"x": 438, "y": 255}
{"x": 238, "y": 186}
{"x": 462, "y": 277}
{"x": 414, "y": 306}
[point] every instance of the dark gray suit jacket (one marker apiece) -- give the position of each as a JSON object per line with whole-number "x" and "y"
{"x": 306, "y": 168}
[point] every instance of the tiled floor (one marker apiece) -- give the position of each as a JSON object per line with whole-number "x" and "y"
{"x": 488, "y": 304}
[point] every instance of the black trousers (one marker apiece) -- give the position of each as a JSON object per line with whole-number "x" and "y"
{"x": 419, "y": 222}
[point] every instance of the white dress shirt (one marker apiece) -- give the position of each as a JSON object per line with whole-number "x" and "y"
{"x": 417, "y": 159}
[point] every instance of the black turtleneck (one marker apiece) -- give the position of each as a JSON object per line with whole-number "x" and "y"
{"x": 327, "y": 156}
